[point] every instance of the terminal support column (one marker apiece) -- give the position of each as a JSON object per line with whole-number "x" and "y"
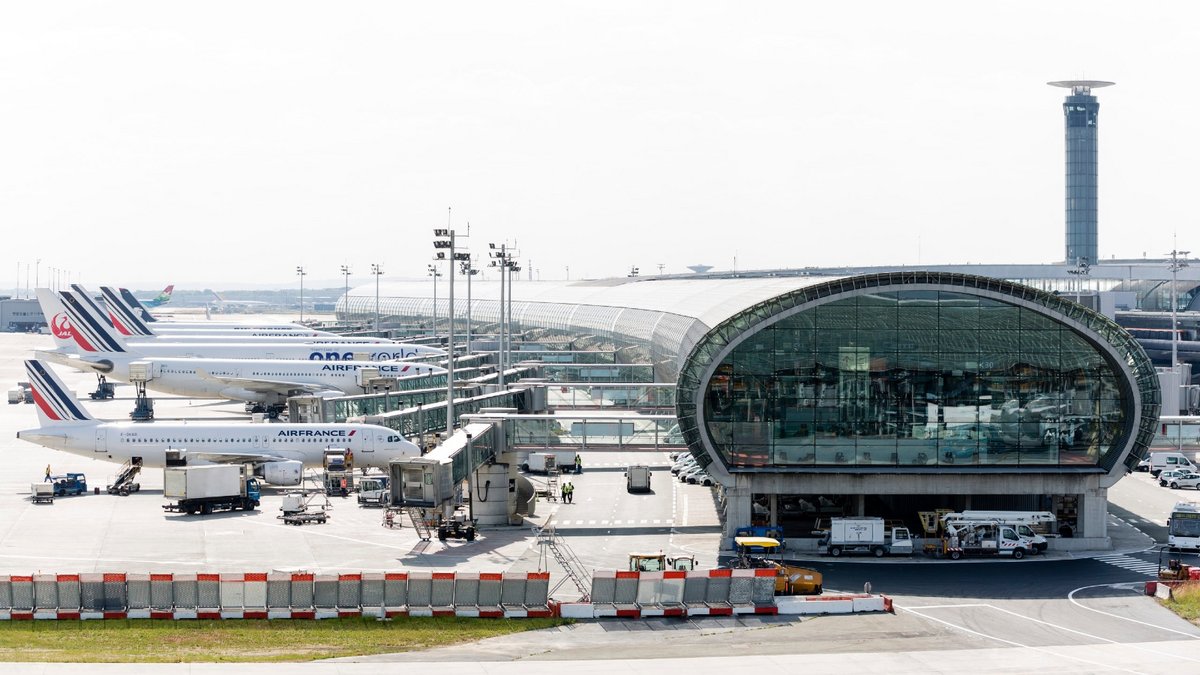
{"x": 737, "y": 508}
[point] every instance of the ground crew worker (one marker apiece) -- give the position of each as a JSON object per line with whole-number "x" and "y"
{"x": 578, "y": 464}
{"x": 569, "y": 492}
{"x": 47, "y": 473}
{"x": 563, "y": 492}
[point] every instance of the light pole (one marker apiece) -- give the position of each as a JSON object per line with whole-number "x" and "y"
{"x": 52, "y": 281}
{"x": 377, "y": 271}
{"x": 37, "y": 268}
{"x": 468, "y": 269}
{"x": 503, "y": 259}
{"x": 1081, "y": 269}
{"x": 433, "y": 272}
{"x": 444, "y": 238}
{"x": 346, "y": 292}
{"x": 1175, "y": 266}
{"x": 300, "y": 271}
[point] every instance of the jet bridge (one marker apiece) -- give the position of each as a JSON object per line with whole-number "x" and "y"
{"x": 461, "y": 472}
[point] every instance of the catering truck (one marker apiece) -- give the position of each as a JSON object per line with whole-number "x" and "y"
{"x": 866, "y": 535}
{"x": 209, "y": 487}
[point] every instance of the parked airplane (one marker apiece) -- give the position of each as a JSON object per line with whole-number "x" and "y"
{"x": 267, "y": 382}
{"x": 77, "y": 331}
{"x": 129, "y": 321}
{"x": 220, "y": 304}
{"x": 279, "y": 452}
{"x": 160, "y": 299}
{"x": 134, "y": 305}
{"x": 131, "y": 326}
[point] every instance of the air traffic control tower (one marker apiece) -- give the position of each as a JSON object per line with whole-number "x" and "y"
{"x": 1080, "y": 111}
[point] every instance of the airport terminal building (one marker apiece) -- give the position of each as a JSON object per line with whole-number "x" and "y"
{"x": 880, "y": 394}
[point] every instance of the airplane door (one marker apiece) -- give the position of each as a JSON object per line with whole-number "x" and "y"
{"x": 369, "y": 443}
{"x": 101, "y": 440}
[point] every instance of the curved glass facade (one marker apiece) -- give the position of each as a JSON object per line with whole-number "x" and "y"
{"x": 941, "y": 378}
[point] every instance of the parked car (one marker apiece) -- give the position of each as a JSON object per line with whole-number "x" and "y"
{"x": 684, "y": 475}
{"x": 1187, "y": 479}
{"x": 1164, "y": 477}
{"x": 679, "y": 467}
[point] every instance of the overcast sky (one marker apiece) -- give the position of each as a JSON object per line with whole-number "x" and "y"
{"x": 222, "y": 144}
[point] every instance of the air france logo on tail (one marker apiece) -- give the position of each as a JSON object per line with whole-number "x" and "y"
{"x": 51, "y": 396}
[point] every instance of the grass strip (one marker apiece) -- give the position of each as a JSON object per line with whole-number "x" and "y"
{"x": 1185, "y": 601}
{"x": 155, "y": 641}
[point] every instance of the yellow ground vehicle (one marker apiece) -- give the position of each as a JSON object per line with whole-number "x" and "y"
{"x": 765, "y": 552}
{"x": 658, "y": 562}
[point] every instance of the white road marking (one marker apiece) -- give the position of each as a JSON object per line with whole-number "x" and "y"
{"x": 1071, "y": 597}
{"x": 1011, "y": 642}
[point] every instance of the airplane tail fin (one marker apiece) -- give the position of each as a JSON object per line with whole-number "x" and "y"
{"x": 136, "y": 305}
{"x": 124, "y": 319}
{"x": 74, "y": 327}
{"x": 55, "y": 403}
{"x": 164, "y": 297}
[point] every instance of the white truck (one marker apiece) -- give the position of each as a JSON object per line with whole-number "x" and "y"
{"x": 980, "y": 538}
{"x": 1029, "y": 525}
{"x": 637, "y": 478}
{"x": 866, "y": 535}
{"x": 540, "y": 462}
{"x": 209, "y": 487}
{"x": 373, "y": 491}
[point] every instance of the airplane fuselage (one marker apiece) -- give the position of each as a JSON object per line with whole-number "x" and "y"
{"x": 372, "y": 445}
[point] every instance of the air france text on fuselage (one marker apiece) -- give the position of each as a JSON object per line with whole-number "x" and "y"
{"x": 324, "y": 433}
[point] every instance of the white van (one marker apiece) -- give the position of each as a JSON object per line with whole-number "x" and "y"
{"x": 1169, "y": 460}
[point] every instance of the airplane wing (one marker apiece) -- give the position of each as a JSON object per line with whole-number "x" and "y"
{"x": 268, "y": 386}
{"x": 77, "y": 361}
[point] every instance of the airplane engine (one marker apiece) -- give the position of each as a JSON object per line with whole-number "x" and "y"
{"x": 288, "y": 472}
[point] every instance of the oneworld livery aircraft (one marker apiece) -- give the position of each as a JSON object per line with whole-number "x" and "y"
{"x": 279, "y": 452}
{"x": 81, "y": 333}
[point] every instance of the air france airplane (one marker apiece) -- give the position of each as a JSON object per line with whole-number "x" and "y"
{"x": 279, "y": 452}
{"x": 139, "y": 332}
{"x": 268, "y": 382}
{"x": 130, "y": 322}
{"x": 135, "y": 305}
{"x": 80, "y": 333}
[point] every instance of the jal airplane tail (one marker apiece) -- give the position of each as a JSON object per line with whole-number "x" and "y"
{"x": 54, "y": 402}
{"x": 76, "y": 327}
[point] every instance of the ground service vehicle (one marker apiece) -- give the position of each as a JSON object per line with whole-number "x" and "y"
{"x": 41, "y": 493}
{"x": 789, "y": 580}
{"x": 69, "y": 485}
{"x": 458, "y": 526}
{"x": 1161, "y": 461}
{"x": 373, "y": 491}
{"x": 1042, "y": 522}
{"x": 339, "y": 472}
{"x": 541, "y": 462}
{"x": 16, "y": 395}
{"x": 980, "y": 538}
{"x": 866, "y": 535}
{"x": 658, "y": 562}
{"x": 1183, "y": 527}
{"x": 299, "y": 508}
{"x": 209, "y": 487}
{"x": 1038, "y": 542}
{"x": 637, "y": 478}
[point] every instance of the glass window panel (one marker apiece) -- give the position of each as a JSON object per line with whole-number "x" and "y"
{"x": 995, "y": 316}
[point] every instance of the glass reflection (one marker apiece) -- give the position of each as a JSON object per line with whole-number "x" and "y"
{"x": 914, "y": 378}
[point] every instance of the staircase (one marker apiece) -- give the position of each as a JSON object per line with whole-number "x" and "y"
{"x": 124, "y": 484}
{"x": 417, "y": 515}
{"x": 554, "y": 545}
{"x": 553, "y": 487}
